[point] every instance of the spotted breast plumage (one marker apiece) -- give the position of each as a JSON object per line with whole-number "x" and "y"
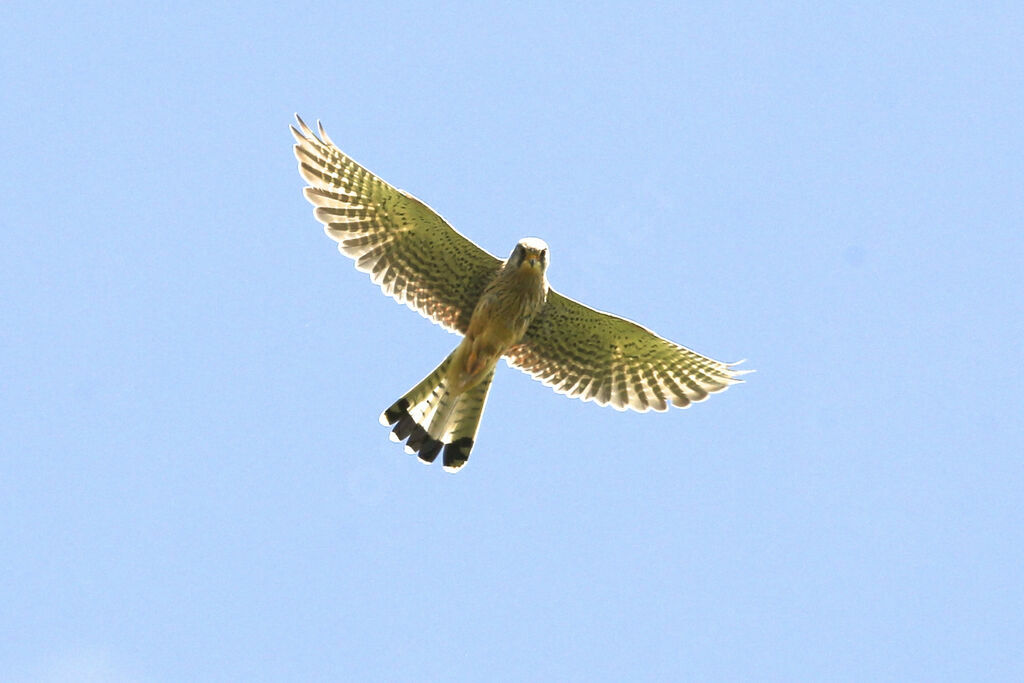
{"x": 503, "y": 308}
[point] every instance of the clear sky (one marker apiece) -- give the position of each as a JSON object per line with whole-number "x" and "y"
{"x": 193, "y": 482}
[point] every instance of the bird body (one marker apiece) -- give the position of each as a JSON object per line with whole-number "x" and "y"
{"x": 507, "y": 306}
{"x": 502, "y": 309}
{"x": 500, "y": 319}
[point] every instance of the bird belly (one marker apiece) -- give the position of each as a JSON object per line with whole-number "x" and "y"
{"x": 488, "y": 337}
{"x": 499, "y": 321}
{"x": 473, "y": 359}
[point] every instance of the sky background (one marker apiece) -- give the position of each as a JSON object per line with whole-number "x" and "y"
{"x": 193, "y": 482}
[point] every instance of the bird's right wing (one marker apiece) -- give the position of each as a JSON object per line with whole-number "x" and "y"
{"x": 405, "y": 246}
{"x": 601, "y": 357}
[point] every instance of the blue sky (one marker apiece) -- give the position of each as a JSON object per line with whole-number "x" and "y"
{"x": 194, "y": 482}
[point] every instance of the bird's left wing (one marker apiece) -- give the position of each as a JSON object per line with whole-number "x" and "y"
{"x": 601, "y": 357}
{"x": 405, "y": 246}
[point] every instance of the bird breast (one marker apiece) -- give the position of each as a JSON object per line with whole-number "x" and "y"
{"x": 507, "y": 306}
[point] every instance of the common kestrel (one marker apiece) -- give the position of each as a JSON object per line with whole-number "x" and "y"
{"x": 501, "y": 307}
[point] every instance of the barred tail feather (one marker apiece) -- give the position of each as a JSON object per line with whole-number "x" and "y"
{"x": 463, "y": 425}
{"x": 429, "y": 417}
{"x": 420, "y": 401}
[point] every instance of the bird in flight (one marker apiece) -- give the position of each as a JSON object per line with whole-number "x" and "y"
{"x": 501, "y": 307}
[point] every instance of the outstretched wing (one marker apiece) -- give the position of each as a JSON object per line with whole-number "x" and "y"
{"x": 405, "y": 246}
{"x": 601, "y": 357}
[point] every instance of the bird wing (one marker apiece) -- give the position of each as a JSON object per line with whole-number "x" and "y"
{"x": 595, "y": 356}
{"x": 405, "y": 246}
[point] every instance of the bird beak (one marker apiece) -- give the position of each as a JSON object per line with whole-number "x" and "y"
{"x": 533, "y": 258}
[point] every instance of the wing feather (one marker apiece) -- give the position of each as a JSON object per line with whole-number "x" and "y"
{"x": 404, "y": 245}
{"x": 595, "y": 356}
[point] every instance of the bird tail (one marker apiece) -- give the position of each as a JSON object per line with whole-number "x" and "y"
{"x": 431, "y": 417}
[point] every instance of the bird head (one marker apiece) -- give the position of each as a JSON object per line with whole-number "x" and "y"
{"x": 530, "y": 253}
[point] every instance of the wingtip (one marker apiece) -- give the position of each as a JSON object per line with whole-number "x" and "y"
{"x": 305, "y": 130}
{"x": 323, "y": 133}
{"x": 734, "y": 374}
{"x": 737, "y": 373}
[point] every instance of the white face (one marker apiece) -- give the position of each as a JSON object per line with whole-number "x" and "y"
{"x": 530, "y": 252}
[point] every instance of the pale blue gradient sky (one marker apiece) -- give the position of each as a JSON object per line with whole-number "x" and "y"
{"x": 194, "y": 485}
